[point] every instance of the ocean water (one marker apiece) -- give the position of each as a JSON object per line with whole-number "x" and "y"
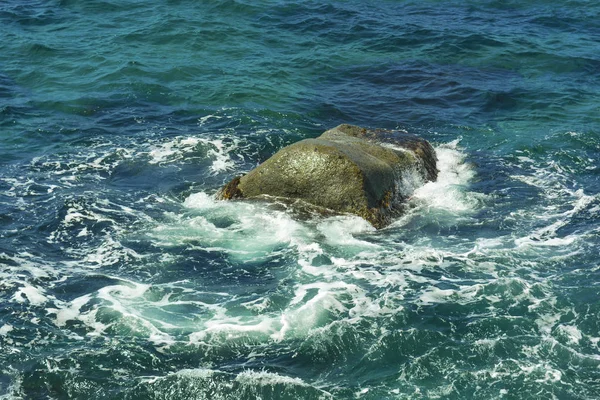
{"x": 122, "y": 278}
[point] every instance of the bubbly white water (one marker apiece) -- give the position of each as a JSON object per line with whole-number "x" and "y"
{"x": 450, "y": 191}
{"x": 219, "y": 150}
{"x": 335, "y": 273}
{"x": 323, "y": 294}
{"x": 248, "y": 231}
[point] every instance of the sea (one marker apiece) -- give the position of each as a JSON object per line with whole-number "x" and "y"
{"x": 122, "y": 276}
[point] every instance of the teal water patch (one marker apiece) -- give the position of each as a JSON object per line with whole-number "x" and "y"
{"x": 122, "y": 277}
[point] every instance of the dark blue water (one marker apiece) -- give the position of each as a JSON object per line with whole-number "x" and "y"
{"x": 122, "y": 278}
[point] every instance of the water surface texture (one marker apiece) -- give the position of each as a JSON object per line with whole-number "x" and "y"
{"x": 122, "y": 278}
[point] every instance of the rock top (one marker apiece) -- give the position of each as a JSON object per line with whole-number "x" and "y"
{"x": 348, "y": 169}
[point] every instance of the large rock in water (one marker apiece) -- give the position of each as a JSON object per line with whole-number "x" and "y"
{"x": 347, "y": 169}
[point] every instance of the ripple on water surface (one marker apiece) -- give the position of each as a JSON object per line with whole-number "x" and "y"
{"x": 122, "y": 277}
{"x": 217, "y": 291}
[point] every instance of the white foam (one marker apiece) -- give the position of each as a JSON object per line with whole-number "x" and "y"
{"x": 202, "y": 120}
{"x": 32, "y": 294}
{"x": 307, "y": 312}
{"x": 109, "y": 252}
{"x": 194, "y": 373}
{"x": 546, "y": 322}
{"x": 173, "y": 150}
{"x": 449, "y": 192}
{"x": 220, "y": 152}
{"x": 201, "y": 201}
{"x": 70, "y": 311}
{"x": 524, "y": 159}
{"x": 341, "y": 273}
{"x": 572, "y": 333}
{"x": 128, "y": 309}
{"x": 253, "y": 378}
{"x": 5, "y": 329}
{"x": 202, "y": 373}
{"x": 252, "y": 229}
{"x": 11, "y": 390}
{"x": 296, "y": 320}
{"x": 329, "y": 292}
{"x": 73, "y": 216}
{"x": 341, "y": 231}
{"x": 34, "y": 266}
{"x": 314, "y": 305}
{"x": 550, "y": 374}
{"x": 435, "y": 295}
{"x": 219, "y": 149}
{"x": 130, "y": 290}
{"x": 547, "y": 235}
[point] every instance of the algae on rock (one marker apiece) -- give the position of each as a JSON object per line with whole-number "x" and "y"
{"x": 348, "y": 169}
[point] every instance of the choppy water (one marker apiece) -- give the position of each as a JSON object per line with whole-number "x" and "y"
{"x": 122, "y": 278}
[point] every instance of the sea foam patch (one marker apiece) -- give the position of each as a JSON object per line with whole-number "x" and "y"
{"x": 219, "y": 149}
{"x": 242, "y": 229}
{"x": 343, "y": 231}
{"x": 450, "y": 190}
{"x": 336, "y": 278}
{"x": 559, "y": 203}
{"x": 337, "y": 259}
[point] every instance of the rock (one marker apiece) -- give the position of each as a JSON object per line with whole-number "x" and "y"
{"x": 348, "y": 169}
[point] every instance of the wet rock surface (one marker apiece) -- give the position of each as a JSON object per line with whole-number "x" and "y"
{"x": 348, "y": 169}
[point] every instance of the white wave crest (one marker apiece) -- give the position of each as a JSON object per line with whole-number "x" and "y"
{"x": 450, "y": 190}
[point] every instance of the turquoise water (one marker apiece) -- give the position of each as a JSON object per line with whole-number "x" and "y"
{"x": 122, "y": 278}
